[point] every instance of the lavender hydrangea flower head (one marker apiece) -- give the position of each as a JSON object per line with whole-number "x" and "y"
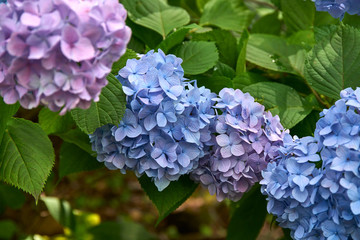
{"x": 328, "y": 199}
{"x": 58, "y": 52}
{"x": 247, "y": 139}
{"x": 167, "y": 124}
{"x": 337, "y": 8}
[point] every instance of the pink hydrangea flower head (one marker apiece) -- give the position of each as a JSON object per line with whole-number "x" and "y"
{"x": 58, "y": 52}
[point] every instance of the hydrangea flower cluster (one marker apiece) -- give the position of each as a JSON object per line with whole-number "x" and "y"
{"x": 167, "y": 124}
{"x": 328, "y": 203}
{"x": 291, "y": 183}
{"x": 58, "y": 52}
{"x": 247, "y": 139}
{"x": 338, "y": 8}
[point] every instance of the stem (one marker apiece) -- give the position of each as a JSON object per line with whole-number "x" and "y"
{"x": 318, "y": 97}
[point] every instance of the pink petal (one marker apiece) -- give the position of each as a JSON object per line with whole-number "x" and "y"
{"x": 30, "y": 20}
{"x": 16, "y": 46}
{"x": 82, "y": 50}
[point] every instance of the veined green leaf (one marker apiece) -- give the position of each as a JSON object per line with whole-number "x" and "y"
{"x": 274, "y": 53}
{"x": 334, "y": 62}
{"x": 27, "y": 156}
{"x": 156, "y": 15}
{"x": 198, "y": 57}
{"x": 226, "y": 14}
{"x": 109, "y": 109}
{"x": 298, "y": 14}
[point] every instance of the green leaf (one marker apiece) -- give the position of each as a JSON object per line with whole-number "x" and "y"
{"x": 149, "y": 37}
{"x": 245, "y": 79}
{"x": 224, "y": 70}
{"x": 249, "y": 217}
{"x": 281, "y": 100}
{"x": 214, "y": 83}
{"x": 6, "y": 112}
{"x": 171, "y": 197}
{"x": 268, "y": 24}
{"x": 304, "y": 38}
{"x": 156, "y": 15}
{"x": 189, "y": 5}
{"x": 11, "y": 197}
{"x": 8, "y": 229}
{"x": 27, "y": 156}
{"x": 129, "y": 54}
{"x": 241, "y": 61}
{"x": 176, "y": 37}
{"x": 120, "y": 230}
{"x": 353, "y": 20}
{"x": 51, "y": 122}
{"x": 226, "y": 14}
{"x": 307, "y": 126}
{"x": 298, "y": 14}
{"x": 73, "y": 159}
{"x": 78, "y": 138}
{"x": 198, "y": 57}
{"x": 225, "y": 42}
{"x": 334, "y": 62}
{"x": 109, "y": 109}
{"x": 324, "y": 18}
{"x": 274, "y": 53}
{"x": 60, "y": 210}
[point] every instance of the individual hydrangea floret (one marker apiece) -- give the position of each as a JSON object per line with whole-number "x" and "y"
{"x": 327, "y": 200}
{"x": 338, "y": 8}
{"x": 247, "y": 138}
{"x": 58, "y": 52}
{"x": 167, "y": 124}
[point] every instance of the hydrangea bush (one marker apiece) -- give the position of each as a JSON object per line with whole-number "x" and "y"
{"x": 58, "y": 53}
{"x": 232, "y": 99}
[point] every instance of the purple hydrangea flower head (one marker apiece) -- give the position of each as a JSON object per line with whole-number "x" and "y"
{"x": 58, "y": 52}
{"x": 247, "y": 138}
{"x": 337, "y": 8}
{"x": 167, "y": 125}
{"x": 328, "y": 199}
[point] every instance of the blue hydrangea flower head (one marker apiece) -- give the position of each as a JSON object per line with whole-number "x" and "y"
{"x": 337, "y": 8}
{"x": 247, "y": 138}
{"x": 328, "y": 200}
{"x": 290, "y": 185}
{"x": 167, "y": 125}
{"x": 58, "y": 53}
